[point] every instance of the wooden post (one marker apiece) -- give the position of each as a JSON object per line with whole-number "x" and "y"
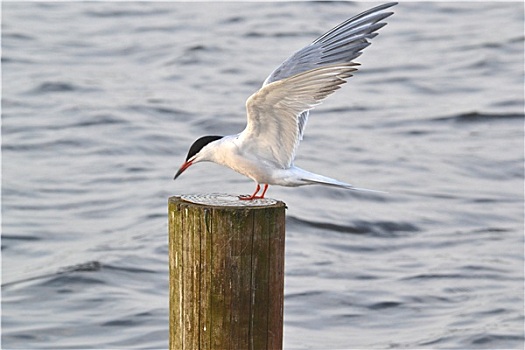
{"x": 226, "y": 260}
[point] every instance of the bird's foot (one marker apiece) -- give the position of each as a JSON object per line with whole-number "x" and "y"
{"x": 247, "y": 197}
{"x": 254, "y": 195}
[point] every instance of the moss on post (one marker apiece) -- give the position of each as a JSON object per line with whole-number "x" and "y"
{"x": 226, "y": 272}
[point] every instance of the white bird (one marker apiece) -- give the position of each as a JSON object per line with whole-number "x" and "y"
{"x": 265, "y": 150}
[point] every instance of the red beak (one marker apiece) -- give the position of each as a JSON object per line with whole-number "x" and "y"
{"x": 184, "y": 166}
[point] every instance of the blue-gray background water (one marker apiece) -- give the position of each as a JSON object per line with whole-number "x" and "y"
{"x": 101, "y": 101}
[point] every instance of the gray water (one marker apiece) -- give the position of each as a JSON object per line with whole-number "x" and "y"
{"x": 101, "y": 101}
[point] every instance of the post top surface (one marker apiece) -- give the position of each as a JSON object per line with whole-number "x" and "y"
{"x": 226, "y": 200}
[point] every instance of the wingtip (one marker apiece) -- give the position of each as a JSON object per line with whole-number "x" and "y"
{"x": 388, "y": 5}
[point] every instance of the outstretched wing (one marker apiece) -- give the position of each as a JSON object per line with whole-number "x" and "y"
{"x": 272, "y": 132}
{"x": 342, "y": 44}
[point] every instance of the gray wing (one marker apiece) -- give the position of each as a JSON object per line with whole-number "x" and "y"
{"x": 342, "y": 44}
{"x": 271, "y": 132}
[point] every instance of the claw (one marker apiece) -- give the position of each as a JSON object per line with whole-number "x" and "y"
{"x": 254, "y": 195}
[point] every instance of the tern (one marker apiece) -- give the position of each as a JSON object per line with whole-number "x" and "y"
{"x": 277, "y": 113}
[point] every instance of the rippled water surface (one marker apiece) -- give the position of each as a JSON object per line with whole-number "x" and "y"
{"x": 100, "y": 101}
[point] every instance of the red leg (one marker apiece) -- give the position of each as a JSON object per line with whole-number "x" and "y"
{"x": 264, "y": 191}
{"x": 253, "y": 196}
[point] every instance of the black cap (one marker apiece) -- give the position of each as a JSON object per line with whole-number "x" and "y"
{"x": 200, "y": 143}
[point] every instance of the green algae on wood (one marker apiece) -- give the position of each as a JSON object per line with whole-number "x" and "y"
{"x": 226, "y": 272}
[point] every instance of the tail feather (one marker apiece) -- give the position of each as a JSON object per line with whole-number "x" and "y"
{"x": 326, "y": 181}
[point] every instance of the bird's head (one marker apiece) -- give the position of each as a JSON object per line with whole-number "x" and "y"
{"x": 199, "y": 151}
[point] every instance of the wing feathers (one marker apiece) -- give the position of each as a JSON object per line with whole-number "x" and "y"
{"x": 278, "y": 112}
{"x": 340, "y": 45}
{"x": 348, "y": 39}
{"x": 275, "y": 111}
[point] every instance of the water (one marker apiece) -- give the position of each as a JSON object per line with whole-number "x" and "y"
{"x": 101, "y": 101}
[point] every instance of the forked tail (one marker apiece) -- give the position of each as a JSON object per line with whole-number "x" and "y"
{"x": 315, "y": 179}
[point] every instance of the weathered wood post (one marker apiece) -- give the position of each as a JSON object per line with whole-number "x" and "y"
{"x": 226, "y": 260}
